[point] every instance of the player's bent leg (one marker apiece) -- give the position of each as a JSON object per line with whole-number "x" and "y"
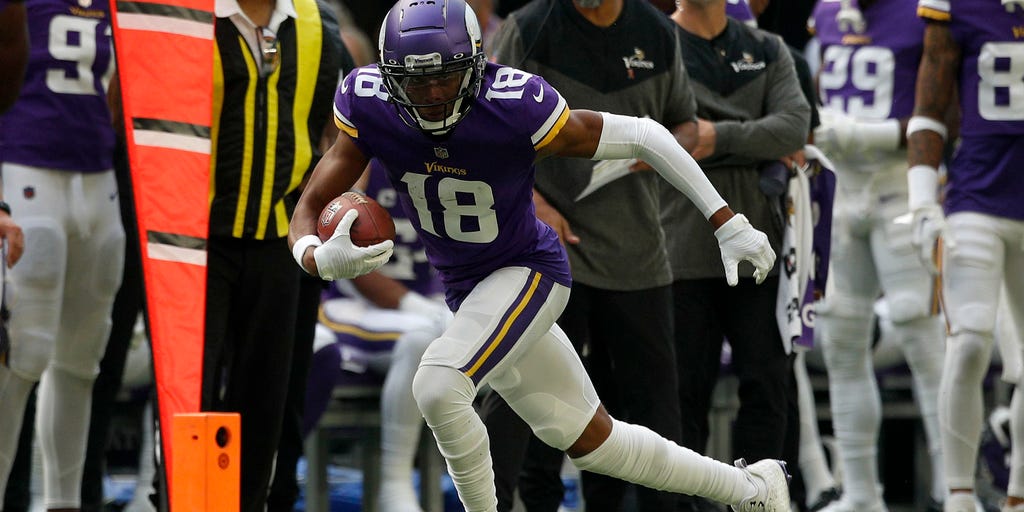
{"x": 401, "y": 423}
{"x": 445, "y": 397}
{"x": 503, "y": 318}
{"x": 636, "y": 454}
{"x": 551, "y": 391}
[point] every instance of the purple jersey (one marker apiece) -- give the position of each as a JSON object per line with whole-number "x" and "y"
{"x": 985, "y": 175}
{"x": 740, "y": 10}
{"x": 61, "y": 120}
{"x": 409, "y": 262}
{"x": 469, "y": 194}
{"x": 870, "y": 75}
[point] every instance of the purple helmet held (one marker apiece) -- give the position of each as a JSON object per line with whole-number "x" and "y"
{"x": 432, "y": 62}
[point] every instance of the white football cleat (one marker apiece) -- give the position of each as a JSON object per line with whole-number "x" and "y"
{"x": 771, "y": 482}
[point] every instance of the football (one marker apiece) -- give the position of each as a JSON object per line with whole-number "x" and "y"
{"x": 374, "y": 224}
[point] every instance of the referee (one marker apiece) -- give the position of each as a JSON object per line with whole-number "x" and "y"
{"x": 276, "y": 68}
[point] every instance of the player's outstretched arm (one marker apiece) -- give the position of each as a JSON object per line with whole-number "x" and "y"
{"x": 604, "y": 136}
{"x": 336, "y": 258}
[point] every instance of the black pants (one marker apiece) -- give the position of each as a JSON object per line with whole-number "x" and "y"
{"x": 251, "y": 296}
{"x": 708, "y": 311}
{"x": 626, "y": 339}
{"x": 284, "y": 489}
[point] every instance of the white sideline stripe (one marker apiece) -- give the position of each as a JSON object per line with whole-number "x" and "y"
{"x": 176, "y": 254}
{"x": 166, "y": 24}
{"x": 172, "y": 141}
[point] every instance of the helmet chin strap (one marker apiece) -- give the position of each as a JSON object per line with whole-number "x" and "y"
{"x": 443, "y": 126}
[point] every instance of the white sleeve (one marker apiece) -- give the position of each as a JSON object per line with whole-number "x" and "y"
{"x": 633, "y": 137}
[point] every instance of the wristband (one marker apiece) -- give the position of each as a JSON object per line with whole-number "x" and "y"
{"x": 919, "y": 123}
{"x": 922, "y": 186}
{"x": 299, "y": 249}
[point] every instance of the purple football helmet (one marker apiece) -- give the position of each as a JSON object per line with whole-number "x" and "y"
{"x": 432, "y": 61}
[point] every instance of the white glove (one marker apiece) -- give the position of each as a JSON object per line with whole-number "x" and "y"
{"x": 339, "y": 258}
{"x": 928, "y": 224}
{"x": 927, "y": 220}
{"x": 843, "y": 135}
{"x": 739, "y": 241}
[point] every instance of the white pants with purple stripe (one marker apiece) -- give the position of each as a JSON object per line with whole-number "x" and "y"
{"x": 504, "y": 334}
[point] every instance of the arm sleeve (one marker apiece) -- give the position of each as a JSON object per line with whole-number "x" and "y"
{"x": 783, "y": 128}
{"x": 633, "y": 137}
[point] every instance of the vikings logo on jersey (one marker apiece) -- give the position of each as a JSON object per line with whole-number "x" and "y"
{"x": 870, "y": 75}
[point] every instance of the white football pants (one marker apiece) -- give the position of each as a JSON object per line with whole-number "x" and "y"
{"x": 872, "y": 254}
{"x": 504, "y": 334}
{"x": 61, "y": 292}
{"x": 988, "y": 254}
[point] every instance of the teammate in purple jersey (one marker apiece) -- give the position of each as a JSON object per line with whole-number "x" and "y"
{"x": 866, "y": 84}
{"x": 974, "y": 51}
{"x": 459, "y": 138}
{"x": 56, "y": 149}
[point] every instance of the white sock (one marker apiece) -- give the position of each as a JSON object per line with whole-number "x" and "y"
{"x": 62, "y": 425}
{"x": 636, "y": 454}
{"x": 445, "y": 397}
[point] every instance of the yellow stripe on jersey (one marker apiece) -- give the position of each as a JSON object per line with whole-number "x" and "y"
{"x": 933, "y": 14}
{"x": 507, "y": 325}
{"x": 344, "y": 124}
{"x": 555, "y": 129}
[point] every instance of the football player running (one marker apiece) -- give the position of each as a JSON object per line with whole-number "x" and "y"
{"x": 972, "y": 50}
{"x": 870, "y": 57}
{"x": 459, "y": 137}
